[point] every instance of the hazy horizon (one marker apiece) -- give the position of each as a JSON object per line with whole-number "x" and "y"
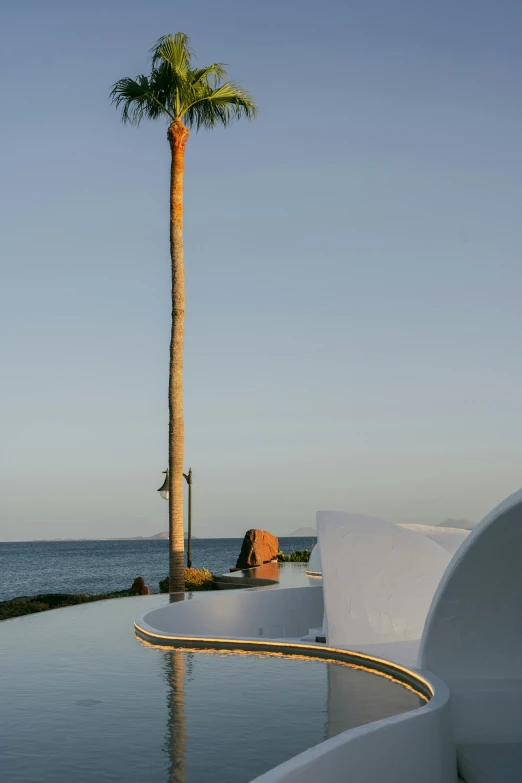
{"x": 353, "y": 268}
{"x": 134, "y": 538}
{"x": 163, "y": 535}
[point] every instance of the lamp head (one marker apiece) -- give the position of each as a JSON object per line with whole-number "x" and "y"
{"x": 164, "y": 489}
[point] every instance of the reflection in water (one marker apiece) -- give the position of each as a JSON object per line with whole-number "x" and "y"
{"x": 347, "y": 702}
{"x": 354, "y": 701}
{"x": 270, "y": 571}
{"x": 176, "y": 737}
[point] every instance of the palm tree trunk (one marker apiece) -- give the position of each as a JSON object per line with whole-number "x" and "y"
{"x": 177, "y": 135}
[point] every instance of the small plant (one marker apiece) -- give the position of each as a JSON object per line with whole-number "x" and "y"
{"x": 298, "y": 556}
{"x": 164, "y": 585}
{"x": 195, "y": 579}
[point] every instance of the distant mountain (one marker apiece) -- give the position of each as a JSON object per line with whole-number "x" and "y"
{"x": 461, "y": 524}
{"x": 163, "y": 534}
{"x": 303, "y": 532}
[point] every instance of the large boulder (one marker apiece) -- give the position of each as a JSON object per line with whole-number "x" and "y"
{"x": 258, "y": 547}
{"x": 139, "y": 586}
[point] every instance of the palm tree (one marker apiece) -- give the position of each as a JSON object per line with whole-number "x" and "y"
{"x": 187, "y": 98}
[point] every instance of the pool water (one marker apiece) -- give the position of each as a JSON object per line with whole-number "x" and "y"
{"x": 84, "y": 700}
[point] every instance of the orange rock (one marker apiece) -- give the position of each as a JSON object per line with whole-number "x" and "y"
{"x": 139, "y": 586}
{"x": 258, "y": 547}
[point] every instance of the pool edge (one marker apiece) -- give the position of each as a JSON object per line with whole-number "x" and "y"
{"x": 403, "y": 674}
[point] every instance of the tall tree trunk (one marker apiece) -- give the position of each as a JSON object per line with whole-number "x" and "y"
{"x": 177, "y": 135}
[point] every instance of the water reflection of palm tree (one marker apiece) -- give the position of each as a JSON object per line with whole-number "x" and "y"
{"x": 176, "y": 736}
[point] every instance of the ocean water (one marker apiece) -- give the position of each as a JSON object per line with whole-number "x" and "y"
{"x": 31, "y": 567}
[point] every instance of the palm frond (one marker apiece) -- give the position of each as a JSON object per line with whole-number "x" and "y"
{"x": 171, "y": 57}
{"x": 216, "y": 72}
{"x": 174, "y": 50}
{"x": 137, "y": 100}
{"x": 219, "y": 106}
{"x": 172, "y": 89}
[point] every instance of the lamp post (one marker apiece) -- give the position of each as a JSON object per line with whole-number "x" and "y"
{"x": 164, "y": 492}
{"x": 188, "y": 477}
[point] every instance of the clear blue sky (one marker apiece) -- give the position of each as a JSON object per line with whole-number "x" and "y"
{"x": 353, "y": 266}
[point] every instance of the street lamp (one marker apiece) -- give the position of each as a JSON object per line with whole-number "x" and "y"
{"x": 164, "y": 492}
{"x": 188, "y": 477}
{"x": 164, "y": 489}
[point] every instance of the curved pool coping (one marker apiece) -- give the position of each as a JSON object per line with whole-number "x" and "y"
{"x": 408, "y": 677}
{"x": 416, "y": 745}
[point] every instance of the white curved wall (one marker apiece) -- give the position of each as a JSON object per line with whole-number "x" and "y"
{"x": 378, "y": 579}
{"x": 473, "y": 633}
{"x": 314, "y": 564}
{"x": 415, "y": 747}
{"x": 250, "y": 613}
{"x": 449, "y": 538}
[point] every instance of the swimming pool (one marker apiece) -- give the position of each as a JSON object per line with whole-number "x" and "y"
{"x": 84, "y": 700}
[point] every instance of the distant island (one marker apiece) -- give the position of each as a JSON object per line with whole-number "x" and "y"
{"x": 461, "y": 524}
{"x": 163, "y": 535}
{"x": 302, "y": 532}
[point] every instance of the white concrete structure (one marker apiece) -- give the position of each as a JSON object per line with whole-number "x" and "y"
{"x": 449, "y": 538}
{"x": 454, "y": 620}
{"x": 251, "y": 614}
{"x": 378, "y": 581}
{"x": 314, "y": 564}
{"x": 473, "y": 640}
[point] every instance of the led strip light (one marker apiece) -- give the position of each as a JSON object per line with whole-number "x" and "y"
{"x": 379, "y": 666}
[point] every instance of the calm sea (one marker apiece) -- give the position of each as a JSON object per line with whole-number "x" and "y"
{"x": 28, "y": 568}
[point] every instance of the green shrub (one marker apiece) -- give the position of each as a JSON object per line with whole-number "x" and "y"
{"x": 164, "y": 585}
{"x": 298, "y": 556}
{"x": 195, "y": 579}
